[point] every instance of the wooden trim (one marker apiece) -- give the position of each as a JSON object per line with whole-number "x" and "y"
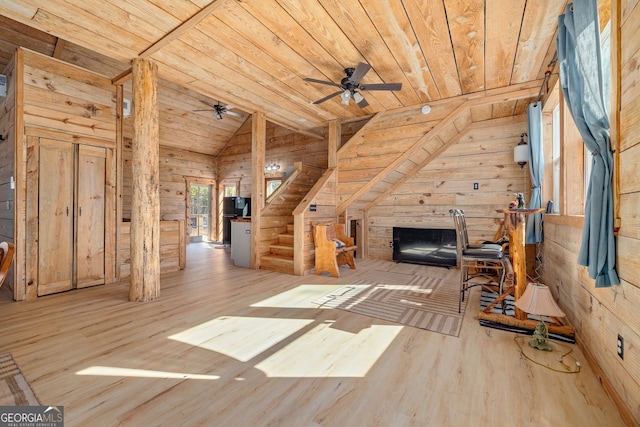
{"x": 30, "y": 287}
{"x": 111, "y": 219}
{"x": 625, "y": 413}
{"x": 575, "y": 221}
{"x": 20, "y": 282}
{"x": 122, "y": 78}
{"x": 119, "y": 180}
{"x": 616, "y": 105}
{"x": 182, "y": 28}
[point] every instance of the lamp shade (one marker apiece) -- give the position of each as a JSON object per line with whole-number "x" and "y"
{"x": 521, "y": 153}
{"x": 537, "y": 299}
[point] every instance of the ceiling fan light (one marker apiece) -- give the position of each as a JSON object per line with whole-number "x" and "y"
{"x": 346, "y": 96}
{"x": 357, "y": 97}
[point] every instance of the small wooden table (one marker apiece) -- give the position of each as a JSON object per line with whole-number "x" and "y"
{"x": 515, "y": 224}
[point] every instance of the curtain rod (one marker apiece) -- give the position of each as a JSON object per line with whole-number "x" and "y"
{"x": 547, "y": 74}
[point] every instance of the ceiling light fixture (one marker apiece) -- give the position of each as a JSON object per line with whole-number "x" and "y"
{"x": 426, "y": 109}
{"x": 346, "y": 96}
{"x": 357, "y": 97}
{"x": 272, "y": 167}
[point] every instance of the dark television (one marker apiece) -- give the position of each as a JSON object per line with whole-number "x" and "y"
{"x": 431, "y": 246}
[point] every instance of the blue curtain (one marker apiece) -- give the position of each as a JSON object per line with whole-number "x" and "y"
{"x": 536, "y": 170}
{"x": 584, "y": 90}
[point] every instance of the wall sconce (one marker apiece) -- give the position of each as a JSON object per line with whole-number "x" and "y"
{"x": 521, "y": 152}
{"x": 272, "y": 167}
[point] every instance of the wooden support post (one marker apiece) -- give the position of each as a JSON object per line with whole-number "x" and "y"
{"x": 518, "y": 258}
{"x": 145, "y": 204}
{"x": 335, "y": 135}
{"x": 258, "y": 143}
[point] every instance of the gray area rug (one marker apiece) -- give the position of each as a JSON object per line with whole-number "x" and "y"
{"x": 419, "y": 301}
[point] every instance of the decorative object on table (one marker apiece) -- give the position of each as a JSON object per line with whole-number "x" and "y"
{"x": 537, "y": 300}
{"x": 517, "y": 202}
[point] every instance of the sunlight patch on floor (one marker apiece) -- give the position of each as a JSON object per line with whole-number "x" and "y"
{"x": 326, "y": 351}
{"x": 299, "y": 297}
{"x": 111, "y": 371}
{"x": 242, "y": 338}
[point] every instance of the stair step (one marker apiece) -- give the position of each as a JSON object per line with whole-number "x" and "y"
{"x": 289, "y": 228}
{"x": 279, "y": 263}
{"x": 283, "y": 250}
{"x": 285, "y": 239}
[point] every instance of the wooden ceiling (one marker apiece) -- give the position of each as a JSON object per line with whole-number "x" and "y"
{"x": 254, "y": 54}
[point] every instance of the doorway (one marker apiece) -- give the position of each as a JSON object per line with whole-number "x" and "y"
{"x": 200, "y": 214}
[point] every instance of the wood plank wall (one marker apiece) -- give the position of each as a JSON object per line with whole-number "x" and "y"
{"x": 172, "y": 247}
{"x": 484, "y": 156}
{"x": 7, "y": 158}
{"x": 599, "y": 315}
{"x": 175, "y": 165}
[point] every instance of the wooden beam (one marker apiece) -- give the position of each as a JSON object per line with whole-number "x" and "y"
{"x": 121, "y": 78}
{"x": 145, "y": 203}
{"x": 258, "y": 144}
{"x": 182, "y": 28}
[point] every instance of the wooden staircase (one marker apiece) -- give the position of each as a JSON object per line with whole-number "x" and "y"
{"x": 280, "y": 257}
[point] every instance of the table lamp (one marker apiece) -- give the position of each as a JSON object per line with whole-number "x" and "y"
{"x": 537, "y": 300}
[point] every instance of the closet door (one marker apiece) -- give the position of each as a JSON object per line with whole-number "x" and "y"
{"x": 90, "y": 217}
{"x": 55, "y": 216}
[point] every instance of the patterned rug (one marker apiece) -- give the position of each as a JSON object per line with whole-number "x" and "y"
{"x": 14, "y": 388}
{"x": 419, "y": 301}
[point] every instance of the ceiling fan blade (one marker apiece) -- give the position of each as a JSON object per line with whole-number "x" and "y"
{"x": 208, "y": 103}
{"x": 234, "y": 114}
{"x": 204, "y": 110}
{"x": 382, "y": 86}
{"x": 322, "y": 82}
{"x": 359, "y": 73}
{"x": 328, "y": 97}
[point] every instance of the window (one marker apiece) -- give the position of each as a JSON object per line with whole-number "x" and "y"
{"x": 272, "y": 185}
{"x": 230, "y": 190}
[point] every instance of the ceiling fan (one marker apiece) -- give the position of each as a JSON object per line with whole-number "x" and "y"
{"x": 220, "y": 110}
{"x": 350, "y": 85}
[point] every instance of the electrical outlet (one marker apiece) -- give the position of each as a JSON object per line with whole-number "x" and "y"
{"x": 390, "y": 244}
{"x": 621, "y": 347}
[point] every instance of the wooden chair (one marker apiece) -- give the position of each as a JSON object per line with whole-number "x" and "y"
{"x": 6, "y": 258}
{"x": 332, "y": 248}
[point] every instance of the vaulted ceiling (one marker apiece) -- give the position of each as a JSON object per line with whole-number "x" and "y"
{"x": 255, "y": 54}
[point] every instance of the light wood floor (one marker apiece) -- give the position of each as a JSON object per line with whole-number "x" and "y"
{"x": 228, "y": 346}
